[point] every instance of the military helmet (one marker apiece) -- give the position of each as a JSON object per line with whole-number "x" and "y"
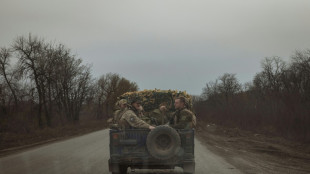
{"x": 122, "y": 101}
{"x": 135, "y": 100}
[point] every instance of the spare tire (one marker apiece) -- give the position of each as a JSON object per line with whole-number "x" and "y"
{"x": 163, "y": 142}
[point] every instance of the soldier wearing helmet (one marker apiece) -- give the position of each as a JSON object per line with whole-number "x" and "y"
{"x": 120, "y": 106}
{"x": 130, "y": 119}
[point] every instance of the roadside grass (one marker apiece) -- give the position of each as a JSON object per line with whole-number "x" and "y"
{"x": 10, "y": 141}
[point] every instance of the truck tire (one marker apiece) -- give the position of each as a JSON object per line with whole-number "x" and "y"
{"x": 163, "y": 142}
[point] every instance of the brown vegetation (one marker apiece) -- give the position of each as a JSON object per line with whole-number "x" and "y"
{"x": 277, "y": 102}
{"x": 44, "y": 86}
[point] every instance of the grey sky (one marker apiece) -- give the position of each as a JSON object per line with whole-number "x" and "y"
{"x": 163, "y": 43}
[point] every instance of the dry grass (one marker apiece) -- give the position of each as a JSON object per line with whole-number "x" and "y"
{"x": 11, "y": 140}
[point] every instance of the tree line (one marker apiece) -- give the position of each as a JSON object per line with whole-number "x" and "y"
{"x": 276, "y": 101}
{"x": 43, "y": 84}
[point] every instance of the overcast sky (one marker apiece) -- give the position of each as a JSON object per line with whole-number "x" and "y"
{"x": 165, "y": 44}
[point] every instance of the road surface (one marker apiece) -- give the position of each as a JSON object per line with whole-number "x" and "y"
{"x": 90, "y": 154}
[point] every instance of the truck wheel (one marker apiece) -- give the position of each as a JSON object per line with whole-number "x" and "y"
{"x": 163, "y": 142}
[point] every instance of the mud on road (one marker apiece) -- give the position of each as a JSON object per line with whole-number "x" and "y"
{"x": 255, "y": 153}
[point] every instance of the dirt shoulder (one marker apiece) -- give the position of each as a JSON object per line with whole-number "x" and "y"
{"x": 16, "y": 142}
{"x": 255, "y": 153}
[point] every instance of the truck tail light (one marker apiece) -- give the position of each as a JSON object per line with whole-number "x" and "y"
{"x": 188, "y": 135}
{"x": 115, "y": 136}
{"x": 115, "y": 139}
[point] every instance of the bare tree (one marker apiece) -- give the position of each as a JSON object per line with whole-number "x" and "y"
{"x": 220, "y": 90}
{"x": 273, "y": 69}
{"x": 210, "y": 90}
{"x": 5, "y": 55}
{"x": 229, "y": 85}
{"x": 299, "y": 73}
{"x": 30, "y": 53}
{"x": 111, "y": 86}
{"x": 69, "y": 82}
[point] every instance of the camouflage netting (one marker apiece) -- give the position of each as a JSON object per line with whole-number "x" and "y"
{"x": 151, "y": 99}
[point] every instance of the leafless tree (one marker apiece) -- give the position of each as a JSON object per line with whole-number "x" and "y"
{"x": 271, "y": 76}
{"x": 69, "y": 82}
{"x": 299, "y": 73}
{"x": 220, "y": 90}
{"x": 5, "y": 67}
{"x": 111, "y": 86}
{"x": 229, "y": 85}
{"x": 31, "y": 54}
{"x": 210, "y": 90}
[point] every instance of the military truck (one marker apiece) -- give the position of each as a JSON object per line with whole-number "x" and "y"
{"x": 161, "y": 148}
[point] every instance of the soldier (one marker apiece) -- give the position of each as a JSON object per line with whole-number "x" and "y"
{"x": 129, "y": 118}
{"x": 121, "y": 105}
{"x": 183, "y": 118}
{"x": 139, "y": 111}
{"x": 160, "y": 116}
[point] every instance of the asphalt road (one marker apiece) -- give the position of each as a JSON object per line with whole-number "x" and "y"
{"x": 90, "y": 154}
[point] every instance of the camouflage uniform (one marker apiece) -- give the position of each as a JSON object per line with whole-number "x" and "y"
{"x": 146, "y": 119}
{"x": 129, "y": 119}
{"x": 141, "y": 115}
{"x": 117, "y": 114}
{"x": 183, "y": 119}
{"x": 158, "y": 117}
{"x": 119, "y": 110}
